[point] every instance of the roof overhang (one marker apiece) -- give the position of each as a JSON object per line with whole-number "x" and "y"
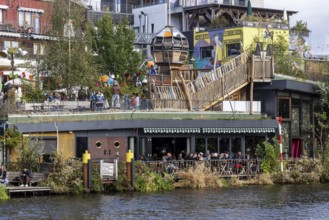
{"x": 41, "y": 11}
{"x": 238, "y": 130}
{"x": 4, "y": 7}
{"x": 9, "y": 34}
{"x": 172, "y": 130}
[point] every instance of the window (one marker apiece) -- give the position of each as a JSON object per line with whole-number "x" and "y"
{"x": 10, "y": 44}
{"x": 28, "y": 19}
{"x": 233, "y": 49}
{"x": 284, "y": 108}
{"x": 206, "y": 52}
{"x": 117, "y": 5}
{"x": 38, "y": 49}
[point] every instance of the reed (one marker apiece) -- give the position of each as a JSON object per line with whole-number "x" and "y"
{"x": 198, "y": 177}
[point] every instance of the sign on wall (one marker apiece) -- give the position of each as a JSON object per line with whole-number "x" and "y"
{"x": 108, "y": 170}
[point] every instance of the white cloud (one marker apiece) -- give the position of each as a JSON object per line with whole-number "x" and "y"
{"x": 315, "y": 13}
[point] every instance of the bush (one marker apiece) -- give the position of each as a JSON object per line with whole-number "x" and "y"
{"x": 146, "y": 180}
{"x": 3, "y": 193}
{"x": 66, "y": 177}
{"x": 122, "y": 183}
{"x": 96, "y": 180}
{"x": 305, "y": 171}
{"x": 325, "y": 163}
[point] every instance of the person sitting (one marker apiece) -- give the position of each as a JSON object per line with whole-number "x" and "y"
{"x": 3, "y": 175}
{"x": 25, "y": 177}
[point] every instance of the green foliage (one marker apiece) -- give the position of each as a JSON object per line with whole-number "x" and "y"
{"x": 285, "y": 62}
{"x": 145, "y": 179}
{"x": 270, "y": 156}
{"x": 252, "y": 18}
{"x": 3, "y": 193}
{"x": 13, "y": 138}
{"x": 219, "y": 22}
{"x": 30, "y": 153}
{"x": 322, "y": 121}
{"x": 66, "y": 176}
{"x": 32, "y": 94}
{"x": 107, "y": 91}
{"x": 115, "y": 47}
{"x": 68, "y": 58}
{"x": 325, "y": 163}
{"x": 151, "y": 182}
{"x": 96, "y": 180}
{"x": 122, "y": 183}
{"x": 304, "y": 171}
{"x": 301, "y": 27}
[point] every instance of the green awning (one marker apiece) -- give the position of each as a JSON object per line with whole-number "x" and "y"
{"x": 172, "y": 130}
{"x": 238, "y": 130}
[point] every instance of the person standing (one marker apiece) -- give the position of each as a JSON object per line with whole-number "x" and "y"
{"x": 92, "y": 101}
{"x": 133, "y": 101}
{"x": 99, "y": 98}
{"x": 115, "y": 101}
{"x": 137, "y": 101}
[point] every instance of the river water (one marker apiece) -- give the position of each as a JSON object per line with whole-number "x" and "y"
{"x": 251, "y": 202}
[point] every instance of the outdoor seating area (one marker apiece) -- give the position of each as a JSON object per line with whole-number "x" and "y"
{"x": 222, "y": 167}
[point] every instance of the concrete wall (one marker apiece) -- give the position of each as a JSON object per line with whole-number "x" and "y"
{"x": 156, "y": 14}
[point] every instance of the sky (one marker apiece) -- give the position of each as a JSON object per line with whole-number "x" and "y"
{"x": 315, "y": 13}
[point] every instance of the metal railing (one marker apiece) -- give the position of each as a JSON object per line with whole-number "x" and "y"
{"x": 222, "y": 167}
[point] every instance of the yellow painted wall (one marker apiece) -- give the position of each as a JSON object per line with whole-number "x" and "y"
{"x": 246, "y": 36}
{"x": 250, "y": 33}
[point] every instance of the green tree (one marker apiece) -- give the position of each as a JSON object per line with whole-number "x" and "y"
{"x": 321, "y": 115}
{"x": 30, "y": 153}
{"x": 286, "y": 62}
{"x": 68, "y": 55}
{"x": 269, "y": 152}
{"x": 300, "y": 27}
{"x": 115, "y": 47}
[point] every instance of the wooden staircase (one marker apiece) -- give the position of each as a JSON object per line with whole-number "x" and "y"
{"x": 185, "y": 90}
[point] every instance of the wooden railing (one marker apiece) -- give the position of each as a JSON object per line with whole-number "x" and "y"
{"x": 262, "y": 68}
{"x": 214, "y": 87}
{"x": 223, "y": 168}
{"x": 204, "y": 91}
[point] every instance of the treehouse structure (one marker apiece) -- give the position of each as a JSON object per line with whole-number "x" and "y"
{"x": 178, "y": 87}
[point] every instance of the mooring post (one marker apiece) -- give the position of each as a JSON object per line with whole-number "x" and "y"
{"x": 129, "y": 158}
{"x": 85, "y": 160}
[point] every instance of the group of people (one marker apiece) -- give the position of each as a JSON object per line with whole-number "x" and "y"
{"x": 24, "y": 178}
{"x": 168, "y": 156}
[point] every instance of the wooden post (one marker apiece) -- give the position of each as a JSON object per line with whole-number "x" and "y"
{"x": 251, "y": 74}
{"x": 189, "y": 102}
{"x": 85, "y": 159}
{"x": 129, "y": 158}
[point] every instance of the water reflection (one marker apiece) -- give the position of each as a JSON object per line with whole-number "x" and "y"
{"x": 253, "y": 202}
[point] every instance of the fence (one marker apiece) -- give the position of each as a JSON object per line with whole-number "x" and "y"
{"x": 223, "y": 168}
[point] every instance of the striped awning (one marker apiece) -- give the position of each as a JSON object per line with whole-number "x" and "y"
{"x": 172, "y": 130}
{"x": 9, "y": 34}
{"x": 35, "y": 10}
{"x": 238, "y": 130}
{"x": 4, "y": 7}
